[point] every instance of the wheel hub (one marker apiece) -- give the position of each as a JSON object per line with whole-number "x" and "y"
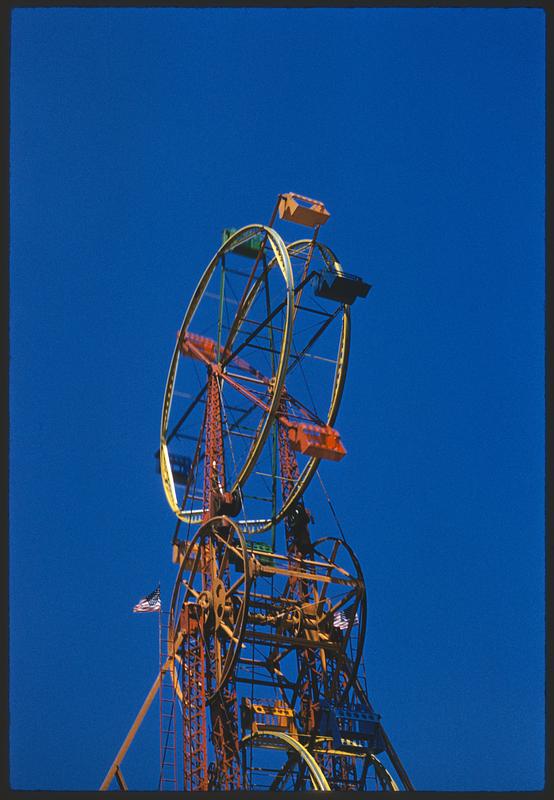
{"x": 212, "y": 602}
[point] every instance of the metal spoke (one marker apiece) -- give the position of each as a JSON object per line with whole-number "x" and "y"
{"x": 228, "y": 631}
{"x": 186, "y": 414}
{"x": 235, "y": 586}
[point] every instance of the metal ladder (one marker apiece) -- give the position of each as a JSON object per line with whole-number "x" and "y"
{"x": 168, "y": 733}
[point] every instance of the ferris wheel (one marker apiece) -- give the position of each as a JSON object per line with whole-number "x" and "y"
{"x": 267, "y": 357}
{"x": 263, "y": 662}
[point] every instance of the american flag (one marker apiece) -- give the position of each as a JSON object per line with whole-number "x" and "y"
{"x": 152, "y": 602}
{"x": 342, "y": 620}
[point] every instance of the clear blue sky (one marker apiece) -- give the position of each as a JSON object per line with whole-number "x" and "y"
{"x": 136, "y": 136}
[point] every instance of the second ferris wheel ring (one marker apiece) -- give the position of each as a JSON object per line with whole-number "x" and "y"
{"x": 227, "y": 373}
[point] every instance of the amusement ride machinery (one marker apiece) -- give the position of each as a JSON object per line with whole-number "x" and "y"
{"x": 261, "y": 683}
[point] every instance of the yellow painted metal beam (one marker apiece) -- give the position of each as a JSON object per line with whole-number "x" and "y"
{"x": 114, "y": 770}
{"x": 319, "y": 780}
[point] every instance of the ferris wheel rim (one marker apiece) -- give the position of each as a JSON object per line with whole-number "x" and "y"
{"x": 319, "y": 781}
{"x": 362, "y": 605}
{"x": 282, "y": 258}
{"x": 339, "y": 380}
{"x": 383, "y": 774}
{"x": 206, "y": 530}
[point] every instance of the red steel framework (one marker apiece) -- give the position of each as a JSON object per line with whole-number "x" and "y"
{"x": 195, "y": 751}
{"x": 262, "y": 645}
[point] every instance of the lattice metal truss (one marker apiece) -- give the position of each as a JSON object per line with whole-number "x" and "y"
{"x": 261, "y": 669}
